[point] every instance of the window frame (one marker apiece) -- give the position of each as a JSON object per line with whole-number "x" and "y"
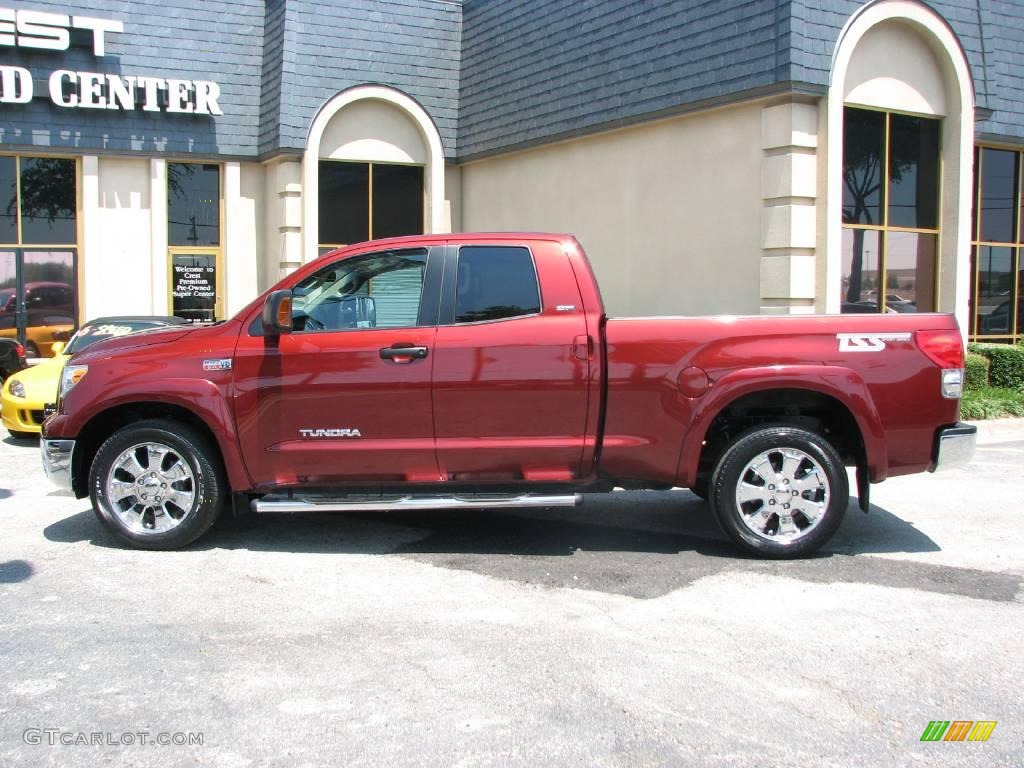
{"x": 448, "y": 299}
{"x": 324, "y": 248}
{"x": 20, "y": 247}
{"x": 1016, "y": 246}
{"x": 197, "y": 250}
{"x": 20, "y": 243}
{"x": 884, "y": 228}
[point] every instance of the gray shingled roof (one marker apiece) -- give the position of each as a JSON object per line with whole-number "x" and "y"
{"x": 493, "y": 74}
{"x": 537, "y": 70}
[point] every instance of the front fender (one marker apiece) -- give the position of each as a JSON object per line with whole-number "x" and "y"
{"x": 203, "y": 398}
{"x": 838, "y": 382}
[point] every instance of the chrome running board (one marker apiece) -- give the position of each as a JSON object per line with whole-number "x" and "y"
{"x": 355, "y": 503}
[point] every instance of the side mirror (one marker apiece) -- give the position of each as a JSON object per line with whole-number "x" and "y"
{"x": 277, "y": 313}
{"x": 57, "y": 348}
{"x": 358, "y": 312}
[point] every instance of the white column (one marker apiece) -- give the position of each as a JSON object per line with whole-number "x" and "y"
{"x": 289, "y": 191}
{"x": 158, "y": 235}
{"x": 240, "y": 247}
{"x": 789, "y": 215}
{"x": 93, "y": 283}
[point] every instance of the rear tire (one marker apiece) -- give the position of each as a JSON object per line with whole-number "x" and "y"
{"x": 780, "y": 491}
{"x": 157, "y": 484}
{"x": 18, "y": 435}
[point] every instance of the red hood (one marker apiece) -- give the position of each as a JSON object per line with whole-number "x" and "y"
{"x": 146, "y": 338}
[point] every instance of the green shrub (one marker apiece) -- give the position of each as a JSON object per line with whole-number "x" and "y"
{"x": 990, "y": 403}
{"x": 977, "y": 367}
{"x": 1006, "y": 368}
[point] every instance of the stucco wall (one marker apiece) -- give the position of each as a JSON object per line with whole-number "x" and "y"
{"x": 668, "y": 212}
{"x": 117, "y": 247}
{"x": 373, "y": 131}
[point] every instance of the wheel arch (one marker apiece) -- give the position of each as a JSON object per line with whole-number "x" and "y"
{"x": 103, "y": 424}
{"x": 805, "y": 398}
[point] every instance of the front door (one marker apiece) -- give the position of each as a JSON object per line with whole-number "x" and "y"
{"x": 345, "y": 398}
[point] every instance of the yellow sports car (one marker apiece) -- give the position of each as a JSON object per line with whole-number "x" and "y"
{"x": 49, "y": 316}
{"x": 25, "y": 395}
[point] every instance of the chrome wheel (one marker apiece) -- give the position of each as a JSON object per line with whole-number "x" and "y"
{"x": 151, "y": 488}
{"x": 782, "y": 494}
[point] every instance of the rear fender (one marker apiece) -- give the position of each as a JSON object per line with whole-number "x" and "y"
{"x": 840, "y": 383}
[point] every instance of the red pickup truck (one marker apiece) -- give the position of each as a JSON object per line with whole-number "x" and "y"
{"x": 480, "y": 370}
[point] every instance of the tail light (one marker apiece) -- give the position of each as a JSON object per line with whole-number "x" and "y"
{"x": 946, "y": 350}
{"x": 19, "y": 350}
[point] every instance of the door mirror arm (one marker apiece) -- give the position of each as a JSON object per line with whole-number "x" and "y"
{"x": 277, "y": 313}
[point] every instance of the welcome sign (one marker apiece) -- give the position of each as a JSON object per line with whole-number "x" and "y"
{"x": 70, "y": 89}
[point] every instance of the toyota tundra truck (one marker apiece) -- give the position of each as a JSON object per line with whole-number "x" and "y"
{"x": 480, "y": 370}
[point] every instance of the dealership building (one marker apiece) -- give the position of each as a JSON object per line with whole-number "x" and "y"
{"x": 179, "y": 157}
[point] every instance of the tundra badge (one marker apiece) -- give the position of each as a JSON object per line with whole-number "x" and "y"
{"x": 344, "y": 432}
{"x": 868, "y": 342}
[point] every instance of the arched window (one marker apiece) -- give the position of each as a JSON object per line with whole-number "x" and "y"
{"x": 900, "y": 138}
{"x": 373, "y": 168}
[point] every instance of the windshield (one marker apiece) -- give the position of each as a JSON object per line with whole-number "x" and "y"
{"x": 90, "y": 334}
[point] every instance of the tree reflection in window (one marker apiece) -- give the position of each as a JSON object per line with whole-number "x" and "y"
{"x": 890, "y": 179}
{"x": 48, "y": 201}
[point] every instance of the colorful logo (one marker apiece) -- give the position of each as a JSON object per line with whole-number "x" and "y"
{"x": 958, "y": 730}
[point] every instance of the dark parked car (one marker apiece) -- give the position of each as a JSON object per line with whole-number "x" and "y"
{"x": 12, "y": 358}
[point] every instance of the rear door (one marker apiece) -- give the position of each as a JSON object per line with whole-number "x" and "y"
{"x": 511, "y": 365}
{"x": 345, "y": 398}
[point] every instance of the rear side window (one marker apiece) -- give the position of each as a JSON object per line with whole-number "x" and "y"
{"x": 495, "y": 282}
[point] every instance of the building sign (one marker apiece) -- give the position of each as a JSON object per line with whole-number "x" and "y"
{"x": 38, "y": 30}
{"x": 194, "y": 285}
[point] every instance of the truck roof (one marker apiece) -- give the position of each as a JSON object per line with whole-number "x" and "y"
{"x": 463, "y": 237}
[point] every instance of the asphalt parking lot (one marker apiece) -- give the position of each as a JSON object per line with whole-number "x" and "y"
{"x": 623, "y": 632}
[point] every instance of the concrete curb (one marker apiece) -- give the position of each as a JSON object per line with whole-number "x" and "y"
{"x": 999, "y": 430}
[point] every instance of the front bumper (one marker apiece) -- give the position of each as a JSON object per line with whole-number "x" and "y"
{"x": 954, "y": 446}
{"x": 19, "y": 414}
{"x": 57, "y": 460}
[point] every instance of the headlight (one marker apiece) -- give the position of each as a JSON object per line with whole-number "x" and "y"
{"x": 16, "y": 388}
{"x": 71, "y": 375}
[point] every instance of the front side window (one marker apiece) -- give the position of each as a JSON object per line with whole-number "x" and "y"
{"x": 890, "y": 212}
{"x": 494, "y": 283}
{"x": 377, "y": 290}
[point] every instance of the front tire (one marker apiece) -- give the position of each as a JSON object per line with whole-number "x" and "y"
{"x": 780, "y": 491}
{"x": 157, "y": 484}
